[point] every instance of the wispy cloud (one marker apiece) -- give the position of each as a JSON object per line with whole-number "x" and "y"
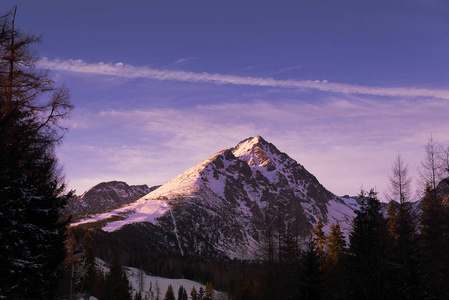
{"x": 183, "y": 60}
{"x": 288, "y": 69}
{"x": 129, "y": 71}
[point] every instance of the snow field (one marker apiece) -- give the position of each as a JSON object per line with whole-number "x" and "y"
{"x": 140, "y": 211}
{"x": 153, "y": 281}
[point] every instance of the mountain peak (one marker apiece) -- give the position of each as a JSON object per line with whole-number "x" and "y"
{"x": 256, "y": 152}
{"x": 257, "y": 139}
{"x": 251, "y": 141}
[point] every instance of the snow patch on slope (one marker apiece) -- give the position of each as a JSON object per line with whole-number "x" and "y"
{"x": 140, "y": 211}
{"x": 343, "y": 212}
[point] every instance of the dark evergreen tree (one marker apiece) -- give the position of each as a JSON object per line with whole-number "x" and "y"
{"x": 311, "y": 277}
{"x": 249, "y": 290}
{"x": 150, "y": 292}
{"x": 31, "y": 187}
{"x": 289, "y": 247}
{"x": 117, "y": 286}
{"x": 369, "y": 251}
{"x": 407, "y": 256}
{"x": 201, "y": 294}
{"x": 169, "y": 295}
{"x": 182, "y": 293}
{"x": 432, "y": 221}
{"x": 392, "y": 220}
{"x": 287, "y": 273}
{"x": 138, "y": 296}
{"x": 434, "y": 245}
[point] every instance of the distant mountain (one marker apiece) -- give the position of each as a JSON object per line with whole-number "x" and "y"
{"x": 106, "y": 195}
{"x": 228, "y": 205}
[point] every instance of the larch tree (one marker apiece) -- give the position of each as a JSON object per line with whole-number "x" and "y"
{"x": 169, "y": 294}
{"x": 400, "y": 224}
{"x": 431, "y": 170}
{"x": 335, "y": 262}
{"x": 193, "y": 294}
{"x": 31, "y": 185}
{"x": 399, "y": 188}
{"x": 336, "y": 247}
{"x": 209, "y": 292}
{"x": 117, "y": 286}
{"x": 320, "y": 241}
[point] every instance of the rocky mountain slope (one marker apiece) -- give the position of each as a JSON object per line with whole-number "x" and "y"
{"x": 106, "y": 195}
{"x": 443, "y": 190}
{"x": 230, "y": 204}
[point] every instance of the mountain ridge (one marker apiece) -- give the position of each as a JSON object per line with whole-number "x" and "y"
{"x": 106, "y": 195}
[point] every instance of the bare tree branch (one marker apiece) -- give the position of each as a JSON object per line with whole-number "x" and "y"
{"x": 431, "y": 171}
{"x": 400, "y": 182}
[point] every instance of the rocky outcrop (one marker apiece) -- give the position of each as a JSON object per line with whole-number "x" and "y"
{"x": 106, "y": 195}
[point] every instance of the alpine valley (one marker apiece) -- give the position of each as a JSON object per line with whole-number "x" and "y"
{"x": 227, "y": 206}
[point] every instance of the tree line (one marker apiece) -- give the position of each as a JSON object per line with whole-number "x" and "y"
{"x": 390, "y": 255}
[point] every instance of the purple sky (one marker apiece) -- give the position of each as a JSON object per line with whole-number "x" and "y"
{"x": 340, "y": 86}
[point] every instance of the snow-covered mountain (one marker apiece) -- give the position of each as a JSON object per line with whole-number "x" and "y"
{"x": 228, "y": 204}
{"x": 106, "y": 195}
